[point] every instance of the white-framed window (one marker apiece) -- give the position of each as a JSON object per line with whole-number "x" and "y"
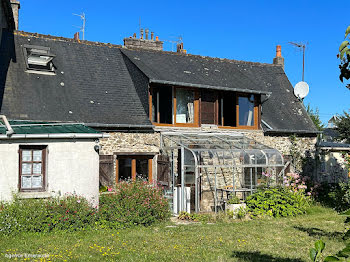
{"x": 32, "y": 168}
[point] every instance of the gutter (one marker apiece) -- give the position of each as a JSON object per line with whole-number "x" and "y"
{"x": 164, "y": 82}
{"x": 9, "y": 131}
{"x": 292, "y": 131}
{"x": 119, "y": 125}
{"x": 57, "y": 136}
{"x": 334, "y": 148}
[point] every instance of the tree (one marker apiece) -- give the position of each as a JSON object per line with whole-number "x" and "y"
{"x": 315, "y": 117}
{"x": 344, "y": 56}
{"x": 343, "y": 127}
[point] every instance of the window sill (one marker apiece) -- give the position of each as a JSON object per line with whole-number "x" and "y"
{"x": 26, "y": 195}
{"x": 31, "y": 71}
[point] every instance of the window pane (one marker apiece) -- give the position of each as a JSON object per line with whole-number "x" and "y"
{"x": 229, "y": 109}
{"x": 37, "y": 155}
{"x": 26, "y": 155}
{"x": 37, "y": 168}
{"x": 26, "y": 168}
{"x": 142, "y": 169}
{"x": 26, "y": 182}
{"x": 124, "y": 169}
{"x": 246, "y": 110}
{"x": 36, "y": 181}
{"x": 184, "y": 106}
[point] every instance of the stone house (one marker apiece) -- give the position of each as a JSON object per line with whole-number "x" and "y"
{"x": 202, "y": 127}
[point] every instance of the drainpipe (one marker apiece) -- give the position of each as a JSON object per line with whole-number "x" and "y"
{"x": 9, "y": 131}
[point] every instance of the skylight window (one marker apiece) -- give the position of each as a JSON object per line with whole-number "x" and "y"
{"x": 39, "y": 59}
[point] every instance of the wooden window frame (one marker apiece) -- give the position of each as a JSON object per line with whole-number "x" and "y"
{"x": 43, "y": 162}
{"x": 133, "y": 158}
{"x": 197, "y": 110}
{"x": 174, "y": 124}
{"x": 256, "y": 113}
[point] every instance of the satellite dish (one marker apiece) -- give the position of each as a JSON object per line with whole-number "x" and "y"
{"x": 301, "y": 90}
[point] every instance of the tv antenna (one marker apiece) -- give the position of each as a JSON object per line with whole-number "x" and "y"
{"x": 178, "y": 41}
{"x": 302, "y": 47}
{"x": 82, "y": 28}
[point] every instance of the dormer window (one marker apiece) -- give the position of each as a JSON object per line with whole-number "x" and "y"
{"x": 39, "y": 59}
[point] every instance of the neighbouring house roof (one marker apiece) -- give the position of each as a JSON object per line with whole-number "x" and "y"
{"x": 28, "y": 127}
{"x": 91, "y": 85}
{"x": 335, "y": 146}
{"x": 281, "y": 110}
{"x": 107, "y": 85}
{"x": 330, "y": 134}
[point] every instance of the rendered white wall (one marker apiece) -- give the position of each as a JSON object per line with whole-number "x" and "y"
{"x": 72, "y": 167}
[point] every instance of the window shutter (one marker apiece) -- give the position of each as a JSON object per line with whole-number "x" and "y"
{"x": 163, "y": 171}
{"x": 208, "y": 107}
{"x": 106, "y": 170}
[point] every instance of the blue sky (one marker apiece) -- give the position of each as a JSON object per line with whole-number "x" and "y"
{"x": 242, "y": 30}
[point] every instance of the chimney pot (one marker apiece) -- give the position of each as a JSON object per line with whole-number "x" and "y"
{"x": 141, "y": 33}
{"x": 134, "y": 35}
{"x": 279, "y": 60}
{"x": 278, "y": 51}
{"x": 76, "y": 36}
{"x": 152, "y": 35}
{"x": 146, "y": 31}
{"x": 157, "y": 38}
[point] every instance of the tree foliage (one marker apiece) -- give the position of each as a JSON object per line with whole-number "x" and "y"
{"x": 315, "y": 117}
{"x": 344, "y": 56}
{"x": 343, "y": 127}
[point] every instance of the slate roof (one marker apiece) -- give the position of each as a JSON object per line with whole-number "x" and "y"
{"x": 103, "y": 84}
{"x": 91, "y": 85}
{"x": 333, "y": 146}
{"x": 21, "y": 127}
{"x": 282, "y": 111}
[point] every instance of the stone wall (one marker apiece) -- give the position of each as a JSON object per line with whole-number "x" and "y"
{"x": 119, "y": 142}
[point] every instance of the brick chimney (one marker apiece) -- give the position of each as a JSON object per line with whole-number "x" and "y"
{"x": 15, "y": 9}
{"x": 279, "y": 60}
{"x": 76, "y": 36}
{"x": 141, "y": 43}
{"x": 180, "y": 48}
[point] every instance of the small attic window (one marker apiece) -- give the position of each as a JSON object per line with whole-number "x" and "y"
{"x": 39, "y": 59}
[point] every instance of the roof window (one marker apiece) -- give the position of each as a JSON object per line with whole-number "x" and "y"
{"x": 39, "y": 59}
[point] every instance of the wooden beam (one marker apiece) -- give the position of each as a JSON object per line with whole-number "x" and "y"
{"x": 117, "y": 171}
{"x": 133, "y": 169}
{"x": 150, "y": 175}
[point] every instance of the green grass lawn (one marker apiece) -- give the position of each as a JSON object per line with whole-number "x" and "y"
{"x": 283, "y": 240}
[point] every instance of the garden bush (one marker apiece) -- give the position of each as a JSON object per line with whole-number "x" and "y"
{"x": 133, "y": 203}
{"x": 39, "y": 215}
{"x": 336, "y": 196}
{"x": 276, "y": 202}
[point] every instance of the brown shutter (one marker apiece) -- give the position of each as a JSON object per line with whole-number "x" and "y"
{"x": 106, "y": 170}
{"x": 208, "y": 107}
{"x": 163, "y": 171}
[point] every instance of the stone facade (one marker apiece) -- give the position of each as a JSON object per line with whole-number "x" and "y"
{"x": 120, "y": 142}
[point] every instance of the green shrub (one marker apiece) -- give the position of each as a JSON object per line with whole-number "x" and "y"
{"x": 336, "y": 196}
{"x": 133, "y": 203}
{"x": 234, "y": 200}
{"x": 276, "y": 202}
{"x": 39, "y": 215}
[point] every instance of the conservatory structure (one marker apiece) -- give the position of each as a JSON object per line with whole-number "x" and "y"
{"x": 206, "y": 168}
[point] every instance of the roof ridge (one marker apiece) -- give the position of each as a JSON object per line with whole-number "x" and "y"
{"x": 86, "y": 42}
{"x": 60, "y": 38}
{"x": 201, "y": 56}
